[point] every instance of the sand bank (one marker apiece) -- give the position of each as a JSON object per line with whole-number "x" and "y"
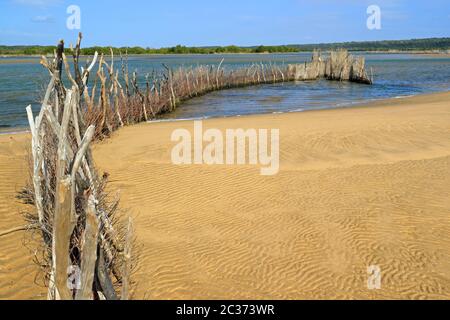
{"x": 356, "y": 187}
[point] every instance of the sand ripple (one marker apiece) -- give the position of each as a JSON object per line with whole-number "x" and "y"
{"x": 356, "y": 187}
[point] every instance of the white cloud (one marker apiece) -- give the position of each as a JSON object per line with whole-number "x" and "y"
{"x": 25, "y": 34}
{"x": 249, "y": 18}
{"x": 38, "y": 3}
{"x": 43, "y": 19}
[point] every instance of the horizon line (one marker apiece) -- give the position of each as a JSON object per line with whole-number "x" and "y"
{"x": 245, "y": 46}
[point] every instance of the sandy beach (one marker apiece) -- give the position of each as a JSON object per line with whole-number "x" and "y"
{"x": 356, "y": 187}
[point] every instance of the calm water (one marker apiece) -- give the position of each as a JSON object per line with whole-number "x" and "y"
{"x": 21, "y": 80}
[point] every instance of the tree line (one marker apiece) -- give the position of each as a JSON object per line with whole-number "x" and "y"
{"x": 388, "y": 45}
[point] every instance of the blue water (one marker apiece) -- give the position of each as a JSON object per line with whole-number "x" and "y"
{"x": 395, "y": 75}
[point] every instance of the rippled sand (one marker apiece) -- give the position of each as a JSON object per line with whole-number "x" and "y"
{"x": 17, "y": 270}
{"x": 356, "y": 187}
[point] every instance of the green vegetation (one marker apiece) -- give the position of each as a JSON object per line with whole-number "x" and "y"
{"x": 388, "y": 45}
{"x": 428, "y": 44}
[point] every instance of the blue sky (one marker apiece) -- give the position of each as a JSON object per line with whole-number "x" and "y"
{"x": 150, "y": 23}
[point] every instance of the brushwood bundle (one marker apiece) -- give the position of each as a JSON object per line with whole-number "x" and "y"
{"x": 117, "y": 98}
{"x": 86, "y": 248}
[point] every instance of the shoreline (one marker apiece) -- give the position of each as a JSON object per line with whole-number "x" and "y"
{"x": 358, "y": 186}
{"x": 443, "y": 53}
{"x": 364, "y": 104}
{"x": 18, "y": 130}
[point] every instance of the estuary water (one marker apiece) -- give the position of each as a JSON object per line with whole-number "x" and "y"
{"x": 22, "y": 80}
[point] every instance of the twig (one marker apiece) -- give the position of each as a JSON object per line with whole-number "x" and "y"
{"x": 23, "y": 228}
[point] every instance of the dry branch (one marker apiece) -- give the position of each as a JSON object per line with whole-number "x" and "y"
{"x": 17, "y": 229}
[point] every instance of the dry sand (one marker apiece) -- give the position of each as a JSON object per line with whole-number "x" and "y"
{"x": 356, "y": 187}
{"x": 17, "y": 270}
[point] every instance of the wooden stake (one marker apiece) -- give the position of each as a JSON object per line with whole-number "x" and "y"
{"x": 127, "y": 262}
{"x": 89, "y": 251}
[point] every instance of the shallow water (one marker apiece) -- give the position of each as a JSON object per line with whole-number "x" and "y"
{"x": 21, "y": 80}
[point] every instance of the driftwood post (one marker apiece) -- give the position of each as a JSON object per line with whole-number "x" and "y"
{"x": 127, "y": 261}
{"x": 88, "y": 255}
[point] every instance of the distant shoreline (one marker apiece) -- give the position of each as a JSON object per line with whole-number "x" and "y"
{"x": 423, "y": 45}
{"x": 33, "y": 58}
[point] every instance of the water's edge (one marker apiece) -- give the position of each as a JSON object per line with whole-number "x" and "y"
{"x": 358, "y": 104}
